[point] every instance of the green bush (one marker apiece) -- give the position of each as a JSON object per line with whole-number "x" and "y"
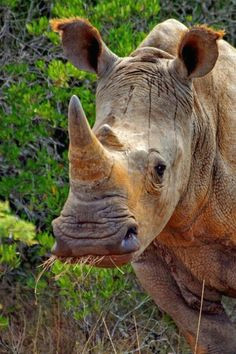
{"x": 12, "y": 232}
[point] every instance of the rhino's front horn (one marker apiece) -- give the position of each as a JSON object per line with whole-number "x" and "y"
{"x": 89, "y": 161}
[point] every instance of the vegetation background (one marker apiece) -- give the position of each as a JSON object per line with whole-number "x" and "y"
{"x": 68, "y": 309}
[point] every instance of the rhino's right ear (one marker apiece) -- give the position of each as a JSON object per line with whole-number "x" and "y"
{"x": 83, "y": 45}
{"x": 197, "y": 52}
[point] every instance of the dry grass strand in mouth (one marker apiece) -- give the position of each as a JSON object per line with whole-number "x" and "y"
{"x": 90, "y": 261}
{"x": 116, "y": 266}
{"x": 83, "y": 260}
{"x": 48, "y": 263}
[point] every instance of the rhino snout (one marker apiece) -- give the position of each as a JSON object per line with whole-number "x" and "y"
{"x": 124, "y": 241}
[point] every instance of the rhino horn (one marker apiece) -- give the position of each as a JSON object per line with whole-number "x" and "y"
{"x": 89, "y": 161}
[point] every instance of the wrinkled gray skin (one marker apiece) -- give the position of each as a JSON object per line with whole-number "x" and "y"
{"x": 170, "y": 103}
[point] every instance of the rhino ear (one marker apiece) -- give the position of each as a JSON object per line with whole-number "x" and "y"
{"x": 197, "y": 52}
{"x": 83, "y": 45}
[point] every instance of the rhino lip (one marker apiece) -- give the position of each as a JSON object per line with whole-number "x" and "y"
{"x": 118, "y": 247}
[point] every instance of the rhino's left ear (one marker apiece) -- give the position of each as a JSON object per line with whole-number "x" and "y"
{"x": 197, "y": 52}
{"x": 83, "y": 45}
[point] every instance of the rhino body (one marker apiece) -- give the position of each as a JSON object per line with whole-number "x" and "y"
{"x": 154, "y": 182}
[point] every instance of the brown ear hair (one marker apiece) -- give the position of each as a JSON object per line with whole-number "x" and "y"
{"x": 197, "y": 51}
{"x": 83, "y": 44}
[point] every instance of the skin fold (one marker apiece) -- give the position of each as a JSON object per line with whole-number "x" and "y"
{"x": 154, "y": 182}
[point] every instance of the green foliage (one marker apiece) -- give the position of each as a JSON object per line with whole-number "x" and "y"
{"x": 12, "y": 227}
{"x": 10, "y": 3}
{"x": 15, "y": 234}
{"x": 76, "y": 284}
{"x": 4, "y": 322}
{"x": 37, "y": 27}
{"x": 12, "y": 232}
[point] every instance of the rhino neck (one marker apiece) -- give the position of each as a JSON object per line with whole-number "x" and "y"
{"x": 208, "y": 206}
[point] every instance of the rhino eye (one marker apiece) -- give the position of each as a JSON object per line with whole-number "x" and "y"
{"x": 160, "y": 169}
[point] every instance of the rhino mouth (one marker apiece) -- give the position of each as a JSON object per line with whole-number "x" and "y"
{"x": 115, "y": 248}
{"x": 112, "y": 261}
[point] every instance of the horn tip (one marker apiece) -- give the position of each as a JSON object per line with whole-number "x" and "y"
{"x": 75, "y": 106}
{"x": 74, "y": 101}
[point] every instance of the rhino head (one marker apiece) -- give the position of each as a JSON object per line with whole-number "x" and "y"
{"x": 129, "y": 174}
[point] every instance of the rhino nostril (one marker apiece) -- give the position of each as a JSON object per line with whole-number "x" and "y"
{"x": 130, "y": 242}
{"x": 132, "y": 232}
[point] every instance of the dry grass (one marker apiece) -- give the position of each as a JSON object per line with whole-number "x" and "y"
{"x": 200, "y": 317}
{"x": 46, "y": 326}
{"x": 43, "y": 325}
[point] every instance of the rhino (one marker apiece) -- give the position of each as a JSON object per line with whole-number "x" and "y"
{"x": 153, "y": 183}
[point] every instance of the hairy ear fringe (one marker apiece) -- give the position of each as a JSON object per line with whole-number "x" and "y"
{"x": 216, "y": 34}
{"x": 59, "y": 24}
{"x": 203, "y": 31}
